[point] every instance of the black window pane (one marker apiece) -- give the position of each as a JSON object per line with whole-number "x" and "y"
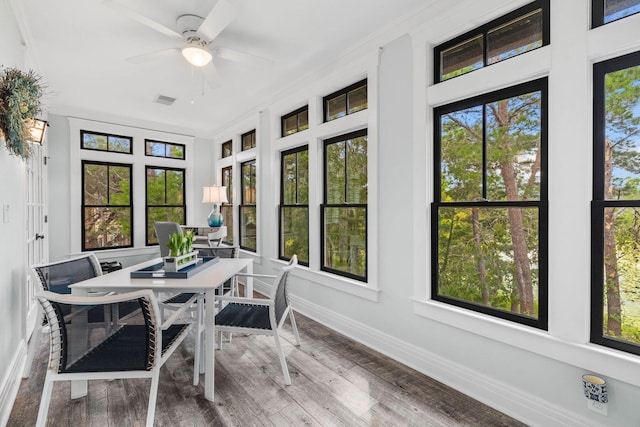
{"x": 248, "y": 141}
{"x": 107, "y": 227}
{"x": 336, "y": 107}
{"x": 94, "y": 142}
{"x": 357, "y": 170}
{"x": 175, "y": 187}
{"x": 227, "y": 181}
{"x": 227, "y": 149}
{"x": 513, "y": 128}
{"x": 155, "y": 214}
{"x": 345, "y": 240}
{"x": 95, "y": 184}
{"x": 462, "y": 58}
{"x": 461, "y": 155}
{"x": 622, "y": 127}
{"x": 335, "y": 172}
{"x": 119, "y": 185}
{"x": 303, "y": 177}
{"x": 303, "y": 120}
{"x": 155, "y": 186}
{"x": 357, "y": 99}
{"x": 227, "y": 215}
{"x": 119, "y": 144}
{"x": 479, "y": 263}
{"x": 248, "y": 227}
{"x": 153, "y": 148}
{"x": 616, "y": 9}
{"x": 515, "y": 37}
{"x": 290, "y": 178}
{"x": 175, "y": 151}
{"x": 249, "y": 183}
{"x": 295, "y": 233}
{"x": 290, "y": 125}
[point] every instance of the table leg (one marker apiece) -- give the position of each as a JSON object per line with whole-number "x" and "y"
{"x": 248, "y": 290}
{"x": 79, "y": 388}
{"x": 209, "y": 344}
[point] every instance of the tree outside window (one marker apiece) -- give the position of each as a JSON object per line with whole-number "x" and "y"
{"x": 294, "y": 205}
{"x": 227, "y": 208}
{"x": 165, "y": 198}
{"x": 248, "y": 211}
{"x": 489, "y": 216}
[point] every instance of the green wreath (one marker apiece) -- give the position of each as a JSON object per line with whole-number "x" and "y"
{"x": 20, "y": 95}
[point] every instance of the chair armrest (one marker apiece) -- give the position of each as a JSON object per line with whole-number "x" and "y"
{"x": 264, "y": 276}
{"x": 243, "y": 300}
{"x": 177, "y": 313}
{"x": 95, "y": 300}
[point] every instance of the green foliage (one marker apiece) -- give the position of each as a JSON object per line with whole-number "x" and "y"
{"x": 20, "y": 95}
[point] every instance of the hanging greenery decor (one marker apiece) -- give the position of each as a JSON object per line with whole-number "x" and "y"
{"x": 20, "y": 94}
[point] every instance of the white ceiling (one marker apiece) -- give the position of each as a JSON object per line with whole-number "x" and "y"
{"x": 81, "y": 49}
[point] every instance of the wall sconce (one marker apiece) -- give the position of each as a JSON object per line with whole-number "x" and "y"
{"x": 216, "y": 194}
{"x": 37, "y": 128}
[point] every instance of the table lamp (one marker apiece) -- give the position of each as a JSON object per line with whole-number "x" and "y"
{"x": 215, "y": 194}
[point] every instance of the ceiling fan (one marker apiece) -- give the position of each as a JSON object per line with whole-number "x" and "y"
{"x": 197, "y": 34}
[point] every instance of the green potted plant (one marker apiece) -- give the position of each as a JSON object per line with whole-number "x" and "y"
{"x": 20, "y": 94}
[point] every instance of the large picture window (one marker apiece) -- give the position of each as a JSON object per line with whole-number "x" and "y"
{"x": 165, "y": 198}
{"x": 520, "y": 31}
{"x": 615, "y": 214}
{"x": 227, "y": 208}
{"x": 248, "y": 211}
{"x": 489, "y": 217}
{"x": 107, "y": 213}
{"x": 294, "y": 205}
{"x": 344, "y": 211}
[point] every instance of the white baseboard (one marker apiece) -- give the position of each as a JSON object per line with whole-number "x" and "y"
{"x": 512, "y": 401}
{"x": 11, "y": 383}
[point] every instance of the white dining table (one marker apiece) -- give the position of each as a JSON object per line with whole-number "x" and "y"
{"x": 205, "y": 281}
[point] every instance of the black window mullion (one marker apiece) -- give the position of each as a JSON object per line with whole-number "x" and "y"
{"x": 346, "y": 170}
{"x": 484, "y": 150}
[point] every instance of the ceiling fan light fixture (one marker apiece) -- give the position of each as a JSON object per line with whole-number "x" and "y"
{"x": 196, "y": 56}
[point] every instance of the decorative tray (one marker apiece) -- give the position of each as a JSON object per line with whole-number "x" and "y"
{"x": 156, "y": 271}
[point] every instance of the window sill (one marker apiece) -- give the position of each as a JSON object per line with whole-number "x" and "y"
{"x": 583, "y": 355}
{"x": 342, "y": 284}
{"x": 121, "y": 252}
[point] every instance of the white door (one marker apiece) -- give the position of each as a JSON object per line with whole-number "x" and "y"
{"x": 36, "y": 227}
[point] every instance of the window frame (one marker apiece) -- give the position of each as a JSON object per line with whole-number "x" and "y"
{"x": 597, "y": 14}
{"x": 223, "y": 146}
{"x": 282, "y": 206}
{"x": 166, "y": 145}
{"x": 599, "y": 203}
{"x": 254, "y": 143}
{"x": 146, "y": 197}
{"x": 291, "y": 114}
{"x": 484, "y": 29}
{"x": 243, "y": 204}
{"x": 106, "y": 135}
{"x": 324, "y": 205}
{"x": 344, "y": 91}
{"x": 84, "y": 206}
{"x": 541, "y": 85}
{"x": 227, "y": 207}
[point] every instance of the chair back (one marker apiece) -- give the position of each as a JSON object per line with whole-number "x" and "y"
{"x": 280, "y": 292}
{"x": 125, "y": 343}
{"x": 57, "y": 276}
{"x": 163, "y": 231}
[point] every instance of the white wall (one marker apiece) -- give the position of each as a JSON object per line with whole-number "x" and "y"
{"x": 12, "y": 235}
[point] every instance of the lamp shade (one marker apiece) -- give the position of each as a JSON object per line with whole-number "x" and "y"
{"x": 214, "y": 194}
{"x": 197, "y": 56}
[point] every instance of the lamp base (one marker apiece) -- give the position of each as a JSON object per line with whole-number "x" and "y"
{"x": 215, "y": 219}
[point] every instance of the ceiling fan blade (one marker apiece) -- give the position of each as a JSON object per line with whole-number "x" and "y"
{"x": 239, "y": 56}
{"x": 142, "y": 19}
{"x": 220, "y": 16}
{"x": 153, "y": 56}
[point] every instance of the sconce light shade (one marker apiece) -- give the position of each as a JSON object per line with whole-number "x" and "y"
{"x": 37, "y": 128}
{"x": 197, "y": 56}
{"x": 216, "y": 194}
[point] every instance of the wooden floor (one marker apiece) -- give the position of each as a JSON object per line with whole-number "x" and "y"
{"x": 336, "y": 382}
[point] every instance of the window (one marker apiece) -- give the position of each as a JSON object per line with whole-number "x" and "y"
{"x": 294, "y": 205}
{"x": 345, "y": 101}
{"x": 605, "y": 11}
{"x": 227, "y": 149}
{"x": 489, "y": 217}
{"x": 227, "y": 209}
{"x": 248, "y": 224}
{"x": 249, "y": 140}
{"x": 295, "y": 121}
{"x": 520, "y": 31}
{"x": 107, "y": 214}
{"x": 106, "y": 142}
{"x": 344, "y": 211}
{"x": 165, "y": 198}
{"x": 164, "y": 149}
{"x": 615, "y": 214}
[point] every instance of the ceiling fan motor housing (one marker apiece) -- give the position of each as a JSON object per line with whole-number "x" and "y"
{"x": 188, "y": 26}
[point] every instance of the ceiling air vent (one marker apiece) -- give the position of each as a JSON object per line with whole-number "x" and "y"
{"x": 165, "y": 100}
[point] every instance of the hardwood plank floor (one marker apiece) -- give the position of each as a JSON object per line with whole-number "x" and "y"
{"x": 336, "y": 382}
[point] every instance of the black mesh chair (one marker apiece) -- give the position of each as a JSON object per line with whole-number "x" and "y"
{"x": 261, "y": 316}
{"x": 131, "y": 346}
